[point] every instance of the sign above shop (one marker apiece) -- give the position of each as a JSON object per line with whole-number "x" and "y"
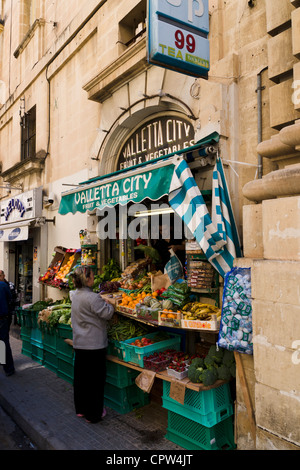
{"x": 135, "y": 186}
{"x": 178, "y": 35}
{"x": 14, "y": 234}
{"x": 154, "y": 139}
{"x": 24, "y": 206}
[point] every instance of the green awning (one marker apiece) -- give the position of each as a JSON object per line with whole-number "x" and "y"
{"x": 151, "y": 182}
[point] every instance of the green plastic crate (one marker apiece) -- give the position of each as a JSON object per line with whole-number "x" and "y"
{"x": 25, "y": 333}
{"x": 120, "y": 376}
{"x": 114, "y": 348}
{"x": 64, "y": 331}
{"x": 65, "y": 370}
{"x": 194, "y": 436}
{"x": 37, "y": 348}
{"x": 125, "y": 399}
{"x": 136, "y": 354}
{"x": 64, "y": 350}
{"x": 36, "y": 335}
{"x": 26, "y": 318}
{"x": 34, "y": 318}
{"x": 207, "y": 407}
{"x": 49, "y": 340}
{"x": 26, "y": 345}
{"x": 50, "y": 360}
{"x": 37, "y": 353}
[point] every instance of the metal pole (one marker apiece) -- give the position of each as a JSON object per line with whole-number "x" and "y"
{"x": 259, "y": 119}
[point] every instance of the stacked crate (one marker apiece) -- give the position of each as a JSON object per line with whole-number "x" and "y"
{"x": 25, "y": 320}
{"x": 36, "y": 339}
{"x": 204, "y": 421}
{"x": 64, "y": 353}
{"x": 121, "y": 393}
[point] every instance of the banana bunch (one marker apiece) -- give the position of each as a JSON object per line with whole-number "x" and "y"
{"x": 200, "y": 311}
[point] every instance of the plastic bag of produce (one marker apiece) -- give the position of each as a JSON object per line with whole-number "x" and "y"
{"x": 174, "y": 267}
{"x": 235, "y": 332}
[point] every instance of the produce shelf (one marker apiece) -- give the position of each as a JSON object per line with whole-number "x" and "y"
{"x": 164, "y": 376}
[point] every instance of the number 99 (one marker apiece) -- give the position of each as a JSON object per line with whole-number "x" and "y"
{"x": 180, "y": 41}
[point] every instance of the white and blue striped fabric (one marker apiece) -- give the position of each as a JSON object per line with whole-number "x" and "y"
{"x": 217, "y": 236}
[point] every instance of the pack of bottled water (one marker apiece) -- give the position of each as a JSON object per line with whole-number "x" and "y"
{"x": 235, "y": 332}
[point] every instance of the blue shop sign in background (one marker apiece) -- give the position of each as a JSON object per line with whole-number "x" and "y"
{"x": 177, "y": 35}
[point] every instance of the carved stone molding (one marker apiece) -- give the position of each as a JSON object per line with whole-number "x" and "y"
{"x": 128, "y": 65}
{"x": 18, "y": 172}
{"x": 29, "y": 35}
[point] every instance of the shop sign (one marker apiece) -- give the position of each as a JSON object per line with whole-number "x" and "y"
{"x": 152, "y": 184}
{"x": 14, "y": 234}
{"x": 24, "y": 206}
{"x": 156, "y": 138}
{"x": 178, "y": 35}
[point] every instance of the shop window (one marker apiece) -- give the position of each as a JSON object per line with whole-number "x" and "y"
{"x": 133, "y": 26}
{"x": 28, "y": 134}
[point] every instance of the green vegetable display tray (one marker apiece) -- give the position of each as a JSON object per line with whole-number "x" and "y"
{"x": 194, "y": 436}
{"x": 135, "y": 354}
{"x": 207, "y": 407}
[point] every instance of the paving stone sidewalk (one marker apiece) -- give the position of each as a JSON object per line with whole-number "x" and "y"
{"x": 42, "y": 405}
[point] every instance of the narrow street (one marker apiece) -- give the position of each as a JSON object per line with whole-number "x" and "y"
{"x": 11, "y": 436}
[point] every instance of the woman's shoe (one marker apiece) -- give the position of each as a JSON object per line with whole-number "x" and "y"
{"x": 103, "y": 413}
{"x": 80, "y": 415}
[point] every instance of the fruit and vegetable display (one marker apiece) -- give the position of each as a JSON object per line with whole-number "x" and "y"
{"x": 146, "y": 341}
{"x": 200, "y": 311}
{"x": 51, "y": 272}
{"x": 111, "y": 270}
{"x": 65, "y": 269}
{"x": 40, "y": 305}
{"x": 53, "y": 315}
{"x": 159, "y": 361}
{"x": 108, "y": 287}
{"x": 129, "y": 301}
{"x": 179, "y": 293}
{"x": 121, "y": 329}
{"x": 218, "y": 364}
{"x": 142, "y": 283}
{"x": 135, "y": 268}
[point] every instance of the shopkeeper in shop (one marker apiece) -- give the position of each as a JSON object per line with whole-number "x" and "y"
{"x": 165, "y": 243}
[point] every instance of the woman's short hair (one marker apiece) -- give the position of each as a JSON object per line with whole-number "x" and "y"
{"x": 81, "y": 275}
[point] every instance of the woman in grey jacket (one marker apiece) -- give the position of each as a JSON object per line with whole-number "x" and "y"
{"x": 89, "y": 316}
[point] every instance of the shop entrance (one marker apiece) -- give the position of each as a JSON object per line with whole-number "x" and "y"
{"x": 23, "y": 251}
{"x": 141, "y": 226}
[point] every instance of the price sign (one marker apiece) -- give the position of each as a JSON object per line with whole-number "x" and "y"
{"x": 177, "y": 35}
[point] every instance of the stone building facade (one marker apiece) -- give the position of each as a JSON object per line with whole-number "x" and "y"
{"x": 74, "y": 75}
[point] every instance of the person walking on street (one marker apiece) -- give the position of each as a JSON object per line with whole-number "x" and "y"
{"x": 5, "y": 321}
{"x": 89, "y": 316}
{"x": 14, "y": 294}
